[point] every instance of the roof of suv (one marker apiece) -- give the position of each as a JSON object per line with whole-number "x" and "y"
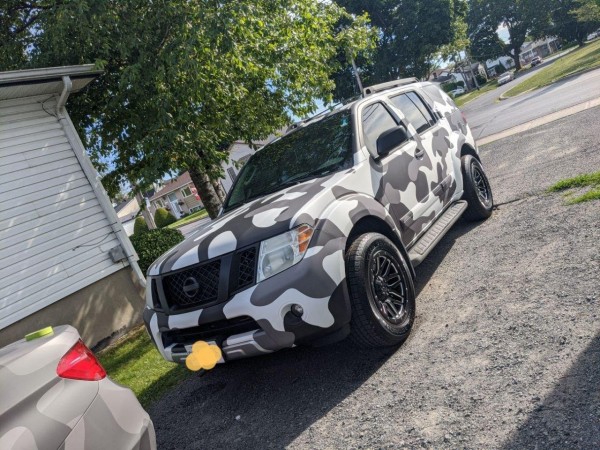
{"x": 347, "y": 104}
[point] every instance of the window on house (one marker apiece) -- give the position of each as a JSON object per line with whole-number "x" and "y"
{"x": 186, "y": 192}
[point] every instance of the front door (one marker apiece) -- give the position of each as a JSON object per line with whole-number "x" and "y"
{"x": 174, "y": 202}
{"x": 405, "y": 172}
{"x": 432, "y": 167}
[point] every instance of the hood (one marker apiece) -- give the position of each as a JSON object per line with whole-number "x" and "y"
{"x": 253, "y": 222}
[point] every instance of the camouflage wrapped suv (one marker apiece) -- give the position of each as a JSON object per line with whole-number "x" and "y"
{"x": 320, "y": 233}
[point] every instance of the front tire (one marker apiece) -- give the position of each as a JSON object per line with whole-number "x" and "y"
{"x": 478, "y": 192}
{"x": 382, "y": 293}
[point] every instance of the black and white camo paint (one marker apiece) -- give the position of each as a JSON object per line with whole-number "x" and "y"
{"x": 405, "y": 191}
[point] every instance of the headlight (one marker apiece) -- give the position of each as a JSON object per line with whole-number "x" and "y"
{"x": 281, "y": 252}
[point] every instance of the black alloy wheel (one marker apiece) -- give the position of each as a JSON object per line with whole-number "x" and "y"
{"x": 382, "y": 293}
{"x": 477, "y": 190}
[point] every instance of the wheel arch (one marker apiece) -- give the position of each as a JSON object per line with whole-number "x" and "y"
{"x": 374, "y": 224}
{"x": 466, "y": 149}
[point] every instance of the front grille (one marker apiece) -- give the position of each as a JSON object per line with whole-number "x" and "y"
{"x": 217, "y": 331}
{"x": 202, "y": 285}
{"x": 196, "y": 286}
{"x": 246, "y": 267}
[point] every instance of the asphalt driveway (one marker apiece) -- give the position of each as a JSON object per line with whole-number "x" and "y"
{"x": 504, "y": 353}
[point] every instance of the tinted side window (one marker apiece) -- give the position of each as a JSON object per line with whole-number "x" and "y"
{"x": 375, "y": 120}
{"x": 422, "y": 107}
{"x": 411, "y": 111}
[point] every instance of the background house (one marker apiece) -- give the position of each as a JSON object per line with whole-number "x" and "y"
{"x": 496, "y": 67}
{"x": 179, "y": 196}
{"x": 541, "y": 48}
{"x": 64, "y": 256}
{"x": 127, "y": 211}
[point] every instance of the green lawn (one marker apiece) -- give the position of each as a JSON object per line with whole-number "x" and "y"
{"x": 134, "y": 362}
{"x": 584, "y": 58}
{"x": 189, "y": 219}
{"x": 476, "y": 93}
{"x": 591, "y": 180}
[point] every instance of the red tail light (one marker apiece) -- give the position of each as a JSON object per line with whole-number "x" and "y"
{"x": 80, "y": 364}
{"x": 464, "y": 117}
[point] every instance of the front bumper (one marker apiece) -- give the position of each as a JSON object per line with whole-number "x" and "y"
{"x": 259, "y": 320}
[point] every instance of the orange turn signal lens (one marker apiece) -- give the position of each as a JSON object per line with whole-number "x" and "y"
{"x": 304, "y": 234}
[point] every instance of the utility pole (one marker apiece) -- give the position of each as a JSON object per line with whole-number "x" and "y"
{"x": 357, "y": 76}
{"x": 471, "y": 69}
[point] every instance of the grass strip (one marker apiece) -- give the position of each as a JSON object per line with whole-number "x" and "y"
{"x": 490, "y": 86}
{"x": 581, "y": 181}
{"x": 189, "y": 219}
{"x": 582, "y": 59}
{"x": 133, "y": 361}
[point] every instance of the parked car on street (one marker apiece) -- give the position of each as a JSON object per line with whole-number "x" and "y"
{"x": 505, "y": 78}
{"x": 458, "y": 91}
{"x": 536, "y": 60}
{"x": 593, "y": 35}
{"x": 320, "y": 233}
{"x": 55, "y": 395}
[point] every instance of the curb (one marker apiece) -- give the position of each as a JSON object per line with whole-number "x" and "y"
{"x": 565, "y": 78}
{"x": 540, "y": 121}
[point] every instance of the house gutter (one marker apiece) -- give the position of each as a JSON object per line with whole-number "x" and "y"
{"x": 92, "y": 177}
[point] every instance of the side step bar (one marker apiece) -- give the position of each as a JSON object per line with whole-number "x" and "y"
{"x": 436, "y": 232}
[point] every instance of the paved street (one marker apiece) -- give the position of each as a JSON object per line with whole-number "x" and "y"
{"x": 188, "y": 229}
{"x": 488, "y": 116}
{"x": 504, "y": 352}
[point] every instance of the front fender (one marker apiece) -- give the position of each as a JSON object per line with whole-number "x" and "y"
{"x": 340, "y": 217}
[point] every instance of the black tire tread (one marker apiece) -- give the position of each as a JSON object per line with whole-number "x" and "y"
{"x": 365, "y": 331}
{"x": 476, "y": 211}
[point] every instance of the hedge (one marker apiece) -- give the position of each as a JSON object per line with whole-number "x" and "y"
{"x": 140, "y": 226}
{"x": 162, "y": 218}
{"x": 150, "y": 245}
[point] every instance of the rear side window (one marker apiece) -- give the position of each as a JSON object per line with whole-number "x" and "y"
{"x": 415, "y": 111}
{"x": 375, "y": 120}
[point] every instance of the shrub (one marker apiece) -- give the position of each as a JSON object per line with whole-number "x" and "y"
{"x": 162, "y": 218}
{"x": 140, "y": 226}
{"x": 153, "y": 243}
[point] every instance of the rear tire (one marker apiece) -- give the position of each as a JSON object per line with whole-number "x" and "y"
{"x": 478, "y": 192}
{"x": 382, "y": 293}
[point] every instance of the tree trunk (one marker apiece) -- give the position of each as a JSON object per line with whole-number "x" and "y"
{"x": 145, "y": 213}
{"x": 207, "y": 193}
{"x": 219, "y": 190}
{"x": 516, "y": 56}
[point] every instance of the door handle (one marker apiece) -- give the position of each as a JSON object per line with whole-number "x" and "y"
{"x": 419, "y": 153}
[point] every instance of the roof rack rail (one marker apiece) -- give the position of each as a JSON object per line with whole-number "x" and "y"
{"x": 389, "y": 85}
{"x": 331, "y": 108}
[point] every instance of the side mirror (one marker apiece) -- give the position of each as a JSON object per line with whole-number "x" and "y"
{"x": 391, "y": 139}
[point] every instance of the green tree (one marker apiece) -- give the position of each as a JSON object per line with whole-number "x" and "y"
{"x": 183, "y": 79}
{"x": 587, "y": 11}
{"x": 411, "y": 35}
{"x": 573, "y": 20}
{"x": 520, "y": 17}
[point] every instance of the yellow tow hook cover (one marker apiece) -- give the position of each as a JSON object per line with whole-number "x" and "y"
{"x": 39, "y": 333}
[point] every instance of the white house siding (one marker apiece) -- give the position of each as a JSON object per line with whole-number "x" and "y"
{"x": 54, "y": 235}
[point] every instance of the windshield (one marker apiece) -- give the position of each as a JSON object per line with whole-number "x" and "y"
{"x": 316, "y": 150}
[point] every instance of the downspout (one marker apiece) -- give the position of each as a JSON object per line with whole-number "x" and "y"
{"x": 91, "y": 175}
